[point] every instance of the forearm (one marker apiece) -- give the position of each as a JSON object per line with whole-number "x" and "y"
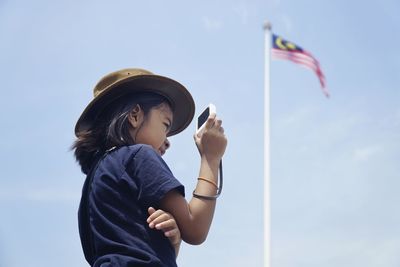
{"x": 194, "y": 218}
{"x": 202, "y": 210}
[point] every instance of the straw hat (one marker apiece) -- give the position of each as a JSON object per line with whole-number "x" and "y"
{"x": 123, "y": 82}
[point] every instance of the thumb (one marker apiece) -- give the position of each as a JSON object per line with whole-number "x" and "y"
{"x": 151, "y": 210}
{"x": 196, "y": 137}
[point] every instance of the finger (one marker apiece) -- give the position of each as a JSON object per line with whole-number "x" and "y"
{"x": 210, "y": 121}
{"x": 218, "y": 123}
{"x": 173, "y": 232}
{"x": 162, "y": 218}
{"x": 221, "y": 130}
{"x": 170, "y": 223}
{"x": 151, "y": 210}
{"x": 154, "y": 215}
{"x": 159, "y": 219}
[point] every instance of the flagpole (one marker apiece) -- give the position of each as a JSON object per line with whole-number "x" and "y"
{"x": 267, "y": 196}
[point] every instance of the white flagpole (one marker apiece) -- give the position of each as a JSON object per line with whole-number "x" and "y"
{"x": 267, "y": 196}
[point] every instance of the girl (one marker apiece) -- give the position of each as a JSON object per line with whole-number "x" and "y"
{"x": 121, "y": 136}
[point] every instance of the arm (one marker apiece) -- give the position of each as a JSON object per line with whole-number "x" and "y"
{"x": 194, "y": 218}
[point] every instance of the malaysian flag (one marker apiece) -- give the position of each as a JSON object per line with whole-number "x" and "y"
{"x": 282, "y": 49}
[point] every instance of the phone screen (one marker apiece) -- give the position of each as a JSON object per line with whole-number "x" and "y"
{"x": 203, "y": 117}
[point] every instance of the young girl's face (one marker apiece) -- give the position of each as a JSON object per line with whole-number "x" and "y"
{"x": 153, "y": 129}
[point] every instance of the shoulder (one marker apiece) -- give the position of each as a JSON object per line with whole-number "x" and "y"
{"x": 117, "y": 160}
{"x": 141, "y": 152}
{"x": 145, "y": 155}
{"x": 135, "y": 160}
{"x": 144, "y": 150}
{"x": 126, "y": 153}
{"x": 139, "y": 155}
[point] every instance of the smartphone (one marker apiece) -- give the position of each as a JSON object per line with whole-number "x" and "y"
{"x": 201, "y": 120}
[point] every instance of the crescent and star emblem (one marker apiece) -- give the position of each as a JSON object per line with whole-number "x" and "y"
{"x": 284, "y": 45}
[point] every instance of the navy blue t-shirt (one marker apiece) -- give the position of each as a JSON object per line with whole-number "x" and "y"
{"x": 113, "y": 210}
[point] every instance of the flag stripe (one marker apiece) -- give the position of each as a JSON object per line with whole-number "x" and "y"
{"x": 299, "y": 60}
{"x": 314, "y": 68}
{"x": 296, "y": 59}
{"x": 295, "y": 55}
{"x": 307, "y": 65}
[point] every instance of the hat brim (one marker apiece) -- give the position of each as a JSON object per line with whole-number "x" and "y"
{"x": 181, "y": 100}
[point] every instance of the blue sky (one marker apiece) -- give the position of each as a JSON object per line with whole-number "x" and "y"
{"x": 334, "y": 163}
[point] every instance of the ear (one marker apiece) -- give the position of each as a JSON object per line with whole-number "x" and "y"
{"x": 136, "y": 116}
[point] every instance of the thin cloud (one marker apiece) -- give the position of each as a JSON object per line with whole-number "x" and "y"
{"x": 243, "y": 13}
{"x": 287, "y": 23}
{"x": 296, "y": 118}
{"x": 277, "y": 2}
{"x": 365, "y": 153}
{"x": 342, "y": 250}
{"x": 397, "y": 118}
{"x": 212, "y": 24}
{"x": 40, "y": 195}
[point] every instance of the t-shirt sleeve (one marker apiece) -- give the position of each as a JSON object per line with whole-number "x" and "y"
{"x": 153, "y": 177}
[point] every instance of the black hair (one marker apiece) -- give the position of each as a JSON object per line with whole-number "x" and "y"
{"x": 111, "y": 128}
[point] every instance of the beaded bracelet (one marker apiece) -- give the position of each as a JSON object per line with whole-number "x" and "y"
{"x": 208, "y": 180}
